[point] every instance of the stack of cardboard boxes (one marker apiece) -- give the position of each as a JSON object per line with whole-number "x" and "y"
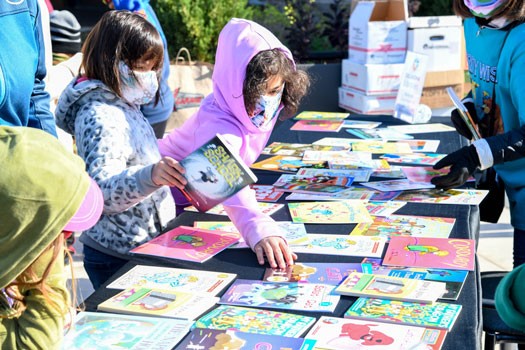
{"x": 380, "y": 33}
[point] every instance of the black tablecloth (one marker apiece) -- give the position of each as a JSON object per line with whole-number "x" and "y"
{"x": 466, "y": 333}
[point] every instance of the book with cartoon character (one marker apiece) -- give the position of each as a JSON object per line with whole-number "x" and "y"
{"x": 319, "y": 184}
{"x": 214, "y": 173}
{"x": 335, "y": 333}
{"x": 312, "y": 272}
{"x": 188, "y": 243}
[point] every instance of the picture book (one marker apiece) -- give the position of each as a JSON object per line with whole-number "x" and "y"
{"x": 353, "y": 160}
{"x": 360, "y": 124}
{"x": 281, "y": 295}
{"x": 157, "y": 277}
{"x": 312, "y": 272}
{"x": 380, "y": 147}
{"x": 379, "y": 134}
{"x": 313, "y": 115}
{"x": 328, "y": 185}
{"x": 338, "y": 212}
{"x": 384, "y": 208}
{"x": 258, "y": 321}
{"x": 343, "y": 195}
{"x": 405, "y": 225}
{"x": 452, "y": 196}
{"x": 188, "y": 243}
{"x": 286, "y": 164}
{"x": 387, "y": 287}
{"x": 214, "y": 173}
{"x": 464, "y": 114}
{"x": 422, "y": 128}
{"x": 413, "y": 158}
{"x": 108, "y": 331}
{"x": 392, "y": 173}
{"x": 359, "y": 175}
{"x": 376, "y": 196}
{"x": 431, "y": 252}
{"x": 343, "y": 245}
{"x": 266, "y": 208}
{"x": 397, "y": 185}
{"x": 422, "y": 173}
{"x": 335, "y": 141}
{"x": 325, "y": 156}
{"x": 266, "y": 193}
{"x": 436, "y": 315}
{"x": 216, "y": 339}
{"x": 158, "y": 302}
{"x": 336, "y": 333}
{"x": 317, "y": 125}
{"x": 295, "y": 149}
{"x": 418, "y": 145}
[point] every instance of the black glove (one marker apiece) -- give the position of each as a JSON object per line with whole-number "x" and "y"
{"x": 458, "y": 122}
{"x": 463, "y": 164}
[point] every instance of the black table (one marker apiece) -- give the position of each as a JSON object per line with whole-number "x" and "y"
{"x": 466, "y": 333}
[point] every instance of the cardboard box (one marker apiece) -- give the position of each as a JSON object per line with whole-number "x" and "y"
{"x": 356, "y": 102}
{"x": 440, "y": 38}
{"x": 371, "y": 79}
{"x": 377, "y": 32}
{"x": 434, "y": 94}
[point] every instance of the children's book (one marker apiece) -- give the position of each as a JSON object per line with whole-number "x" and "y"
{"x": 392, "y": 173}
{"x": 158, "y": 302}
{"x": 258, "y": 321}
{"x": 413, "y": 158}
{"x": 335, "y": 141}
{"x": 336, "y": 333}
{"x": 343, "y": 245}
{"x": 266, "y": 208}
{"x": 188, "y": 243}
{"x": 422, "y": 173}
{"x": 313, "y": 115}
{"x": 156, "y": 277}
{"x": 314, "y": 297}
{"x": 216, "y": 339}
{"x": 286, "y": 164}
{"x": 214, "y": 173}
{"x": 422, "y": 128}
{"x": 431, "y": 252}
{"x": 405, "y": 225}
{"x": 436, "y": 315}
{"x": 360, "y": 124}
{"x": 318, "y": 125}
{"x": 384, "y": 208}
{"x": 379, "y": 134}
{"x": 326, "y": 273}
{"x": 266, "y": 193}
{"x": 359, "y": 175}
{"x": 394, "y": 288}
{"x": 374, "y": 164}
{"x": 295, "y": 149}
{"x": 338, "y": 212}
{"x": 397, "y": 185}
{"x": 108, "y": 331}
{"x": 452, "y": 196}
{"x": 464, "y": 114}
{"x": 380, "y": 147}
{"x": 325, "y": 156}
{"x": 418, "y": 145}
{"x": 321, "y": 184}
{"x": 343, "y": 195}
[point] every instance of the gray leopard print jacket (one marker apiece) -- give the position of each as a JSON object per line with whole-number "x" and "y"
{"x": 119, "y": 148}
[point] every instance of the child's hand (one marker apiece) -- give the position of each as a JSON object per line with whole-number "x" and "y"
{"x": 168, "y": 172}
{"x": 276, "y": 251}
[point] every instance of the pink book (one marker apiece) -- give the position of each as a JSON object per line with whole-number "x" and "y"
{"x": 317, "y": 125}
{"x": 431, "y": 252}
{"x": 188, "y": 243}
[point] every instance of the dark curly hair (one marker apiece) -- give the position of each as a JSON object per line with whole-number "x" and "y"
{"x": 513, "y": 10}
{"x": 267, "y": 64}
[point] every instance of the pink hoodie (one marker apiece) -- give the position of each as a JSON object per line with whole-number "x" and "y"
{"x": 224, "y": 112}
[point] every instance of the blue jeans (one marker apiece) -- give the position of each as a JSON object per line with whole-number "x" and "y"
{"x": 100, "y": 266}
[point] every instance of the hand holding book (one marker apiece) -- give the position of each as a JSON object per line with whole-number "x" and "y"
{"x": 463, "y": 117}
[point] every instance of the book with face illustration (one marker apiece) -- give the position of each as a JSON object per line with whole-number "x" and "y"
{"x": 337, "y": 212}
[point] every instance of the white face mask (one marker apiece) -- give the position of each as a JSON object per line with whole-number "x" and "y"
{"x": 140, "y": 89}
{"x": 266, "y": 109}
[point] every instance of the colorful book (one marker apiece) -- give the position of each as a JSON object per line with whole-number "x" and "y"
{"x": 422, "y": 173}
{"x": 216, "y": 339}
{"x": 464, "y": 114}
{"x": 98, "y": 330}
{"x": 387, "y": 287}
{"x": 286, "y": 164}
{"x": 380, "y": 147}
{"x": 405, "y": 225}
{"x": 266, "y": 193}
{"x": 422, "y": 128}
{"x": 188, "y": 243}
{"x": 321, "y": 184}
{"x": 359, "y": 175}
{"x": 295, "y": 149}
{"x": 413, "y": 158}
{"x": 335, "y": 333}
{"x": 214, "y": 173}
{"x": 326, "y": 273}
{"x": 452, "y": 196}
{"x": 156, "y": 277}
{"x": 338, "y": 212}
{"x": 422, "y": 145}
{"x": 360, "y": 124}
{"x": 446, "y": 253}
{"x": 384, "y": 208}
{"x": 158, "y": 302}
{"x": 313, "y": 156}
{"x": 314, "y": 115}
{"x": 343, "y": 195}
{"x": 379, "y": 134}
{"x": 392, "y": 173}
{"x": 343, "y": 245}
{"x": 436, "y": 315}
{"x": 265, "y": 208}
{"x": 335, "y": 141}
{"x": 397, "y": 185}
{"x": 317, "y": 125}
{"x": 259, "y": 321}
{"x": 314, "y": 297}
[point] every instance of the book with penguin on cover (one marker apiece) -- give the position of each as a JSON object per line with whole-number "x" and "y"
{"x": 214, "y": 173}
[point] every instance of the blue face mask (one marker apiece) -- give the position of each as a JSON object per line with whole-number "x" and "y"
{"x": 266, "y": 109}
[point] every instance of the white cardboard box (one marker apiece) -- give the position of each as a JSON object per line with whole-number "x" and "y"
{"x": 377, "y": 32}
{"x": 371, "y": 79}
{"x": 356, "y": 102}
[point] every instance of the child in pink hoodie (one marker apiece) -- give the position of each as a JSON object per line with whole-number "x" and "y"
{"x": 254, "y": 79}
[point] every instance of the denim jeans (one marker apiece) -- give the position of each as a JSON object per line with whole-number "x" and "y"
{"x": 100, "y": 266}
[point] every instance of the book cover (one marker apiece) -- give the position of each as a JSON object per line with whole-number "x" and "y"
{"x": 312, "y": 272}
{"x": 343, "y": 245}
{"x": 387, "y": 208}
{"x": 436, "y": 315}
{"x": 422, "y": 128}
{"x": 388, "y": 287}
{"x": 418, "y": 145}
{"x": 318, "y": 125}
{"x": 216, "y": 339}
{"x": 266, "y": 193}
{"x": 296, "y": 149}
{"x": 314, "y": 156}
{"x": 413, "y": 158}
{"x": 320, "y": 184}
{"x": 345, "y": 143}
{"x": 157, "y": 277}
{"x": 264, "y": 207}
{"x": 379, "y": 147}
{"x": 214, "y": 173}
{"x": 259, "y": 321}
{"x": 360, "y": 124}
{"x": 452, "y": 196}
{"x": 405, "y": 225}
{"x": 379, "y": 134}
{"x": 98, "y": 330}
{"x": 286, "y": 164}
{"x": 392, "y": 173}
{"x": 343, "y": 195}
{"x": 464, "y": 113}
{"x": 314, "y": 115}
{"x": 335, "y": 333}
{"x": 188, "y": 243}
{"x": 158, "y": 302}
{"x": 423, "y": 173}
{"x": 337, "y": 212}
{"x": 397, "y": 185}
{"x": 310, "y": 297}
{"x": 359, "y": 175}
{"x": 446, "y": 253}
